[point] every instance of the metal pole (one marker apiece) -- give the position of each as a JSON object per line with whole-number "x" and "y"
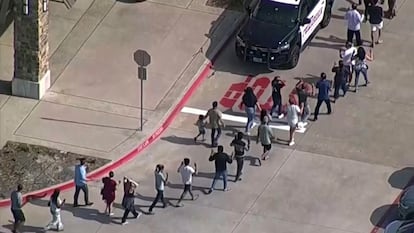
{"x": 142, "y": 104}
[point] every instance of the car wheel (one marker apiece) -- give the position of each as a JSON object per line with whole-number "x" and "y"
{"x": 326, "y": 17}
{"x": 294, "y": 59}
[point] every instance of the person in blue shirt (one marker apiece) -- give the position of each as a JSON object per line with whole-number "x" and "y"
{"x": 80, "y": 183}
{"x": 324, "y": 87}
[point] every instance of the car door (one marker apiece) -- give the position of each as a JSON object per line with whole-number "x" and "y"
{"x": 315, "y": 11}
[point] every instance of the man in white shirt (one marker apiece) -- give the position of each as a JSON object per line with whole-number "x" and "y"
{"x": 347, "y": 56}
{"x": 187, "y": 173}
{"x": 354, "y": 20}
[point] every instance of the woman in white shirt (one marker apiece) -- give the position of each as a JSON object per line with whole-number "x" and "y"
{"x": 293, "y": 112}
{"x": 55, "y": 204}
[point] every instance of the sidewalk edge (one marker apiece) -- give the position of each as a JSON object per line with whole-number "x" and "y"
{"x": 201, "y": 75}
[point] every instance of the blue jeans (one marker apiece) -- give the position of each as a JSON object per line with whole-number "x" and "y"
{"x": 251, "y": 113}
{"x": 364, "y": 73}
{"x": 218, "y": 175}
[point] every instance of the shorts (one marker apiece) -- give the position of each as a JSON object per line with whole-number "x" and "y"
{"x": 187, "y": 188}
{"x": 293, "y": 124}
{"x": 202, "y": 131}
{"x": 18, "y": 216}
{"x": 266, "y": 148}
{"x": 375, "y": 27}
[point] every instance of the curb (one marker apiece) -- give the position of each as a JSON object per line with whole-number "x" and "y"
{"x": 201, "y": 75}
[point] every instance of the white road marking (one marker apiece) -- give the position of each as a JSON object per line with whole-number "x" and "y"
{"x": 239, "y": 119}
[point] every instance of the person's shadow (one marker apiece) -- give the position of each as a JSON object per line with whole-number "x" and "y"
{"x": 79, "y": 212}
{"x": 204, "y": 190}
{"x": 24, "y": 228}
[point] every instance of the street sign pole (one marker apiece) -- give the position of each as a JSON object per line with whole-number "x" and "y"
{"x": 143, "y": 59}
{"x": 142, "y": 103}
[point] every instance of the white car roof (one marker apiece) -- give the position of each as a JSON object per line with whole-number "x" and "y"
{"x": 291, "y": 2}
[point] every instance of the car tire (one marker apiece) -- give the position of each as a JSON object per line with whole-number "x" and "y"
{"x": 294, "y": 59}
{"x": 326, "y": 17}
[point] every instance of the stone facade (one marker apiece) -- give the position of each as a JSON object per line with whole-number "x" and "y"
{"x": 31, "y": 50}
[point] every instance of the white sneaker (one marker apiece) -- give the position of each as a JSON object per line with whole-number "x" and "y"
{"x": 304, "y": 124}
{"x": 281, "y": 116}
{"x": 124, "y": 223}
{"x": 291, "y": 143}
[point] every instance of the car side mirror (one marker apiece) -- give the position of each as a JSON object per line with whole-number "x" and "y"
{"x": 305, "y": 21}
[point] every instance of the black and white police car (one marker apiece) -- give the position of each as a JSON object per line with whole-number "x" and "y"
{"x": 277, "y": 30}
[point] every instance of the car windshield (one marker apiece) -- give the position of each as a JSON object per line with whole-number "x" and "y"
{"x": 276, "y": 13}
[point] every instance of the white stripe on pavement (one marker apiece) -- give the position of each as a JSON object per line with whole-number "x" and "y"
{"x": 239, "y": 119}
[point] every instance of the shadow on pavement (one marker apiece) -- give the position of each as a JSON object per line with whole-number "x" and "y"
{"x": 25, "y": 228}
{"x": 183, "y": 141}
{"x": 204, "y": 190}
{"x": 84, "y": 213}
{"x": 130, "y": 1}
{"x": 384, "y": 215}
{"x": 402, "y": 178}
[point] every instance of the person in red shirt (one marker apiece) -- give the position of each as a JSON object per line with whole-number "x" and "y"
{"x": 108, "y": 192}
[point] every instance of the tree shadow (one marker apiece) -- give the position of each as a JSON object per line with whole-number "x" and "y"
{"x": 384, "y": 215}
{"x": 183, "y": 141}
{"x": 402, "y": 178}
{"x": 131, "y": 1}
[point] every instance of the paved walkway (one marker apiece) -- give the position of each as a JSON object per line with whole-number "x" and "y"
{"x": 342, "y": 176}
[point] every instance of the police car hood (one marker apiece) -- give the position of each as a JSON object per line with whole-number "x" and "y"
{"x": 263, "y": 34}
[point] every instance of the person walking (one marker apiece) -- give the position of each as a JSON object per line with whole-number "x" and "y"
{"x": 277, "y": 85}
{"x": 354, "y": 20}
{"x": 376, "y": 15}
{"x": 201, "y": 125}
{"x": 324, "y": 87}
{"x": 367, "y": 4}
{"x": 361, "y": 66}
{"x": 108, "y": 192}
{"x": 250, "y": 103}
{"x": 128, "y": 200}
{"x": 265, "y": 136}
{"x": 187, "y": 173}
{"x": 220, "y": 159}
{"x": 347, "y": 56}
{"x": 80, "y": 183}
{"x": 293, "y": 112}
{"x": 391, "y": 8}
{"x": 216, "y": 123}
{"x": 55, "y": 204}
{"x": 304, "y": 90}
{"x": 239, "y": 149}
{"x": 340, "y": 79}
{"x": 160, "y": 181}
{"x": 16, "y": 208}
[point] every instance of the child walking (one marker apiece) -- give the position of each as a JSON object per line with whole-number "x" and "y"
{"x": 201, "y": 124}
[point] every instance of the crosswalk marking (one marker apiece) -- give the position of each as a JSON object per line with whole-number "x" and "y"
{"x": 239, "y": 119}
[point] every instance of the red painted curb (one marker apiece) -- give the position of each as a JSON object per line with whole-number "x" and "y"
{"x": 113, "y": 165}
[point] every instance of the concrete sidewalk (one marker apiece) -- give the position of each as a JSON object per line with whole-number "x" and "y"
{"x": 93, "y": 107}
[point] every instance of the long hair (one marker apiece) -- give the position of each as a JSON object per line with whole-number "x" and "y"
{"x": 55, "y": 196}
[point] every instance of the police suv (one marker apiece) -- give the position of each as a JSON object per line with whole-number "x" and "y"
{"x": 277, "y": 30}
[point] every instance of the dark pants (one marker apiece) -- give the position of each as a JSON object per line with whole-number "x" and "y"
{"x": 19, "y": 219}
{"x": 218, "y": 175}
{"x": 367, "y": 3}
{"x": 129, "y": 209}
{"x": 187, "y": 189}
{"x": 240, "y": 162}
{"x": 277, "y": 104}
{"x": 318, "y": 105}
{"x": 159, "y": 197}
{"x": 341, "y": 86}
{"x": 350, "y": 36}
{"x": 85, "y": 191}
{"x": 214, "y": 137}
{"x": 391, "y": 7}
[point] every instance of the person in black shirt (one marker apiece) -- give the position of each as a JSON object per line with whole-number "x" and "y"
{"x": 250, "y": 103}
{"x": 277, "y": 85}
{"x": 340, "y": 79}
{"x": 303, "y": 94}
{"x": 239, "y": 149}
{"x": 376, "y": 14}
{"x": 220, "y": 160}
